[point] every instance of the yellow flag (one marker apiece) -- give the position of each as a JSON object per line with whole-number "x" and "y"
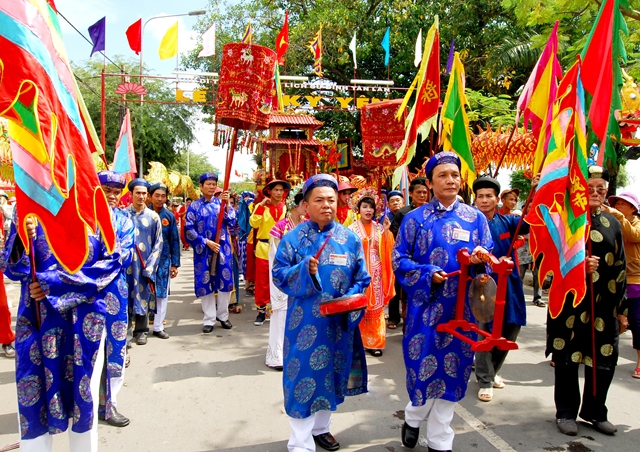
{"x": 169, "y": 44}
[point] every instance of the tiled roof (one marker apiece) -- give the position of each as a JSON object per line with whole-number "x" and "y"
{"x": 295, "y": 141}
{"x": 294, "y": 120}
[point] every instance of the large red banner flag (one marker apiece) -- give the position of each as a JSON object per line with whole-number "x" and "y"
{"x": 559, "y": 219}
{"x": 51, "y": 134}
{"x": 602, "y": 77}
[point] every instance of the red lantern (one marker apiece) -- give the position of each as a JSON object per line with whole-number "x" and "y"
{"x": 246, "y": 87}
{"x": 382, "y": 133}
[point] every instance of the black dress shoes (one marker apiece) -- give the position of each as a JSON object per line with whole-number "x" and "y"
{"x": 116, "y": 419}
{"x": 409, "y": 436}
{"x": 225, "y": 324}
{"x": 207, "y": 329}
{"x": 161, "y": 334}
{"x": 326, "y": 441}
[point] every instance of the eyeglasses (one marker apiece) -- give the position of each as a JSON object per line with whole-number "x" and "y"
{"x": 599, "y": 190}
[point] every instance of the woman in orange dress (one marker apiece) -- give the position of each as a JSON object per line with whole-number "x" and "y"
{"x": 377, "y": 242}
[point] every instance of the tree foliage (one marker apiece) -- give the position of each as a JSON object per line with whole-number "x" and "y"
{"x": 160, "y": 131}
{"x": 198, "y": 165}
{"x": 518, "y": 180}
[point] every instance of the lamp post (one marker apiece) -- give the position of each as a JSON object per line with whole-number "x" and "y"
{"x": 197, "y": 12}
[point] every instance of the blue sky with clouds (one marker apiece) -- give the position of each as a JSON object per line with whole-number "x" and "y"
{"x": 120, "y": 15}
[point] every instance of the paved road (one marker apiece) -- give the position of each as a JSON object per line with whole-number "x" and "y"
{"x": 197, "y": 392}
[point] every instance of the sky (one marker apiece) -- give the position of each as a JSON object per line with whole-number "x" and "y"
{"x": 120, "y": 14}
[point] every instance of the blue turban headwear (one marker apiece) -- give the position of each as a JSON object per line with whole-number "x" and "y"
{"x": 137, "y": 182}
{"x": 112, "y": 179}
{"x": 440, "y": 159}
{"x": 319, "y": 180}
{"x": 393, "y": 193}
{"x": 208, "y": 176}
{"x": 158, "y": 186}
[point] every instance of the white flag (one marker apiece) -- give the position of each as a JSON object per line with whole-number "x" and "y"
{"x": 208, "y": 42}
{"x": 418, "y": 57}
{"x": 352, "y": 47}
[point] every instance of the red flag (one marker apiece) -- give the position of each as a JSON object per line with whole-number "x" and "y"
{"x": 282, "y": 41}
{"x": 134, "y": 36}
{"x": 51, "y": 136}
{"x": 602, "y": 77}
{"x": 238, "y": 173}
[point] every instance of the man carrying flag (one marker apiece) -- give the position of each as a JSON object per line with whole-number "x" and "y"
{"x": 200, "y": 229}
{"x": 582, "y": 323}
{"x": 116, "y": 300}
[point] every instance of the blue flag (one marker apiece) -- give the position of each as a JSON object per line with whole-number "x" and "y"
{"x": 97, "y": 33}
{"x": 386, "y": 41}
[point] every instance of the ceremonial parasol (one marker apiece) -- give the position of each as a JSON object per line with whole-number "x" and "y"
{"x": 245, "y": 94}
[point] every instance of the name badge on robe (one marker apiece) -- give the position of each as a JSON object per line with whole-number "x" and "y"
{"x": 505, "y": 236}
{"x": 461, "y": 235}
{"x": 338, "y": 259}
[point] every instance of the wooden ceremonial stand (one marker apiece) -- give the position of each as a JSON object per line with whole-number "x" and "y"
{"x": 503, "y": 268}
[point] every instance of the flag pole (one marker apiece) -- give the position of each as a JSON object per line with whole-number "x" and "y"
{"x": 593, "y": 309}
{"x": 223, "y": 204}
{"x": 506, "y": 148}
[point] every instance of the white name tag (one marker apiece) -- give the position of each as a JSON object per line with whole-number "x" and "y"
{"x": 338, "y": 259}
{"x": 461, "y": 234}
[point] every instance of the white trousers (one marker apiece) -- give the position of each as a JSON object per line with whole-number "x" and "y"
{"x": 211, "y": 312}
{"x": 276, "y": 338}
{"x": 161, "y": 313}
{"x": 116, "y": 385}
{"x": 302, "y": 431}
{"x": 78, "y": 442}
{"x": 438, "y": 413}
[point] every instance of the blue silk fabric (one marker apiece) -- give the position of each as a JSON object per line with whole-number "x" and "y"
{"x": 148, "y": 241}
{"x": 200, "y": 225}
{"x": 170, "y": 254}
{"x": 323, "y": 356}
{"x": 55, "y": 362}
{"x": 438, "y": 365}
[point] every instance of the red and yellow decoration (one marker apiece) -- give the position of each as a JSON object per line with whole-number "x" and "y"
{"x": 246, "y": 89}
{"x": 382, "y": 133}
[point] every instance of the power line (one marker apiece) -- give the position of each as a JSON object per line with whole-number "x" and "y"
{"x": 89, "y": 41}
{"x": 86, "y": 85}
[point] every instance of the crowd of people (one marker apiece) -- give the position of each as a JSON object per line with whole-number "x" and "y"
{"x": 297, "y": 249}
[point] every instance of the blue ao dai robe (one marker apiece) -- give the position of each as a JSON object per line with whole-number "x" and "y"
{"x": 503, "y": 228}
{"x": 148, "y": 231}
{"x": 438, "y": 365}
{"x": 323, "y": 356}
{"x": 54, "y": 364}
{"x": 170, "y": 255}
{"x": 201, "y": 224}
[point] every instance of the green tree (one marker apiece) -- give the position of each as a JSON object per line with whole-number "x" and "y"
{"x": 198, "y": 165}
{"x": 518, "y": 180}
{"x": 160, "y": 131}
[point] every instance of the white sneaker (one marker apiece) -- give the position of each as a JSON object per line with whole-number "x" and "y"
{"x": 9, "y": 351}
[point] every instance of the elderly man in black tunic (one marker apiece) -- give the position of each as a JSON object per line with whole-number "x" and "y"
{"x": 569, "y": 336}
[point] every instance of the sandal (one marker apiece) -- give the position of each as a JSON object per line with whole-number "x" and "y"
{"x": 392, "y": 326}
{"x": 498, "y": 382}
{"x": 636, "y": 373}
{"x": 485, "y": 394}
{"x": 374, "y": 352}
